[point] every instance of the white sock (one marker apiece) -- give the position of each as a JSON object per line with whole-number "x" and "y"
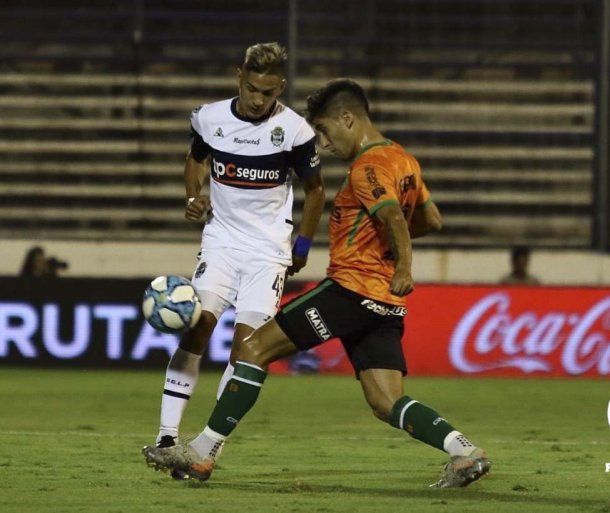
{"x": 226, "y": 377}
{"x": 180, "y": 381}
{"x": 208, "y": 444}
{"x": 456, "y": 444}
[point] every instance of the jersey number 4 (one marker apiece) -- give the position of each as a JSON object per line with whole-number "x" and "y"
{"x": 278, "y": 286}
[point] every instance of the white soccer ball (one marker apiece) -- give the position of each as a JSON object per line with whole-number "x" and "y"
{"x": 171, "y": 304}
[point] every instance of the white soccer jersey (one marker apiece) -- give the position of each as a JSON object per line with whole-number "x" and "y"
{"x": 251, "y": 165}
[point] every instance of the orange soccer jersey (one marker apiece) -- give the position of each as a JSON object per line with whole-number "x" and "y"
{"x": 360, "y": 256}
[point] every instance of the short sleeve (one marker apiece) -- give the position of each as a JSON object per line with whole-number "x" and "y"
{"x": 304, "y": 158}
{"x": 374, "y": 187}
{"x": 199, "y": 148}
{"x": 196, "y": 124}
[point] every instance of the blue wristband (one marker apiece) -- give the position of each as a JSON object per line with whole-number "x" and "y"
{"x": 301, "y": 246}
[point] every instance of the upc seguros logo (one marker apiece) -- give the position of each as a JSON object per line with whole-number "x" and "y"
{"x": 232, "y": 171}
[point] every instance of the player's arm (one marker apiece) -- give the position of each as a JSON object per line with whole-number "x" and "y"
{"x": 313, "y": 207}
{"x": 426, "y": 218}
{"x": 392, "y": 218}
{"x": 195, "y": 174}
{"x": 196, "y": 170}
{"x": 305, "y": 161}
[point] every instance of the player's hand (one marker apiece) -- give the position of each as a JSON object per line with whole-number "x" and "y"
{"x": 402, "y": 283}
{"x": 197, "y": 207}
{"x": 298, "y": 262}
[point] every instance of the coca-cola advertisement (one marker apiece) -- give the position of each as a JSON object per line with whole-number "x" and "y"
{"x": 498, "y": 331}
{"x": 450, "y": 330}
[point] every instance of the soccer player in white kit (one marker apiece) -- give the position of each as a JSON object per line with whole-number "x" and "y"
{"x": 250, "y": 145}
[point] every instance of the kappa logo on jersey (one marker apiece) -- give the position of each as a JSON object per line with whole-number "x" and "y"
{"x": 218, "y": 132}
{"x": 277, "y": 136}
{"x": 313, "y": 316}
{"x": 232, "y": 171}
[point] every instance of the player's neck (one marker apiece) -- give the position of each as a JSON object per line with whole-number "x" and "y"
{"x": 370, "y": 135}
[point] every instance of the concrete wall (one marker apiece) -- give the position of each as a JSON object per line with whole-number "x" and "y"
{"x": 133, "y": 259}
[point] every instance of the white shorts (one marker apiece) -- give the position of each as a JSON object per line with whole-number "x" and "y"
{"x": 227, "y": 277}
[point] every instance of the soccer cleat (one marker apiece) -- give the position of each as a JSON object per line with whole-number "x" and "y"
{"x": 179, "y": 459}
{"x": 170, "y": 441}
{"x": 460, "y": 471}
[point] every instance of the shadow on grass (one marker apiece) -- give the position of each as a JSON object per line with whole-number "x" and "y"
{"x": 477, "y": 492}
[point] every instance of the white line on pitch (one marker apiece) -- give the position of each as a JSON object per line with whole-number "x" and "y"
{"x": 147, "y": 436}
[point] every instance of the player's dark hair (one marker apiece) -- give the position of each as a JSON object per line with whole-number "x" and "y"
{"x": 266, "y": 58}
{"x": 341, "y": 92}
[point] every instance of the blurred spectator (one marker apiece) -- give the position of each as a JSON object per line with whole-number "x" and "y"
{"x": 519, "y": 275}
{"x": 37, "y": 265}
{"x": 34, "y": 264}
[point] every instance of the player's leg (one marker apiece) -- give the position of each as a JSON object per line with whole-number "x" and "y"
{"x": 261, "y": 284}
{"x": 379, "y": 362}
{"x": 214, "y": 283}
{"x": 197, "y": 459}
{"x": 181, "y": 377}
{"x": 292, "y": 330}
{"x": 383, "y": 391}
{"x": 249, "y": 322}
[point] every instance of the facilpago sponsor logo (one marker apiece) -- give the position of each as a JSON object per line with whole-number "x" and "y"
{"x": 314, "y": 318}
{"x": 399, "y": 311}
{"x": 232, "y": 171}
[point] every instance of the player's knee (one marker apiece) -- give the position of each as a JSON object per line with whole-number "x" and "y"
{"x": 380, "y": 406}
{"x": 250, "y": 350}
{"x": 196, "y": 340}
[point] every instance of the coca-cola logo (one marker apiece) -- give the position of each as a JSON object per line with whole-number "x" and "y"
{"x": 491, "y": 336}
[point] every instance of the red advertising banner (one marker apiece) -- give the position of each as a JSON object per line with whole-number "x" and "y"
{"x": 497, "y": 331}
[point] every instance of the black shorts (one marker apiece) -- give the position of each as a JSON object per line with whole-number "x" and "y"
{"x": 370, "y": 331}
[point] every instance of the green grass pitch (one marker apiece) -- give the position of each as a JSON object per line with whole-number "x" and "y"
{"x": 70, "y": 442}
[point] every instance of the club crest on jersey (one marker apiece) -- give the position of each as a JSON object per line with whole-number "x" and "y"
{"x": 200, "y": 269}
{"x": 277, "y": 136}
{"x": 219, "y": 133}
{"x": 314, "y": 161}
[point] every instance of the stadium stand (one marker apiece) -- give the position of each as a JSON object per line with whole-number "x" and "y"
{"x": 498, "y": 106}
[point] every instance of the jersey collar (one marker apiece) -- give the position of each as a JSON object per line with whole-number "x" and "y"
{"x": 250, "y": 120}
{"x": 366, "y": 148}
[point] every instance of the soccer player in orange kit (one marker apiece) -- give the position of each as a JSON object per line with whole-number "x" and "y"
{"x": 382, "y": 204}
